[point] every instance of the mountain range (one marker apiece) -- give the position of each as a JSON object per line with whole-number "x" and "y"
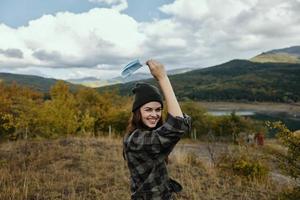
{"x": 270, "y": 76}
{"x": 236, "y": 80}
{"x": 98, "y": 82}
{"x": 34, "y": 82}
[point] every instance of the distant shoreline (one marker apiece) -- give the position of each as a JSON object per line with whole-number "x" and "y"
{"x": 292, "y": 109}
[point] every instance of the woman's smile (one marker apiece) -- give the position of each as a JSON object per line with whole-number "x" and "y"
{"x": 151, "y": 113}
{"x": 153, "y": 121}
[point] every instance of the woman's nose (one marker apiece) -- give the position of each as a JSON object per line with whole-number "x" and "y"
{"x": 153, "y": 113}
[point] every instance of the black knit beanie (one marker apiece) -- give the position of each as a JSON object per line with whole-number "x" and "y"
{"x": 144, "y": 93}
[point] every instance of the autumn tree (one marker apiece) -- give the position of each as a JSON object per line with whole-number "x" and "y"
{"x": 17, "y": 103}
{"x": 119, "y": 116}
{"x": 59, "y": 115}
{"x": 89, "y": 111}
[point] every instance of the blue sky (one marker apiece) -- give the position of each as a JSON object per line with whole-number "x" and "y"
{"x": 18, "y": 12}
{"x": 69, "y": 39}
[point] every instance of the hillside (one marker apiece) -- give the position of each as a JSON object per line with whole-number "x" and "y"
{"x": 35, "y": 82}
{"x": 236, "y": 80}
{"x": 285, "y": 55}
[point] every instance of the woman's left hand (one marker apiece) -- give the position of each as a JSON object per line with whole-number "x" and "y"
{"x": 157, "y": 69}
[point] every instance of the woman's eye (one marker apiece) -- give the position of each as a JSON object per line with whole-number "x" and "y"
{"x": 151, "y": 110}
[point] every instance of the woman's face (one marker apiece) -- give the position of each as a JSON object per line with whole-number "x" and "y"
{"x": 151, "y": 113}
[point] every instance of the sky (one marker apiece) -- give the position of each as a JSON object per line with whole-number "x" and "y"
{"x": 73, "y": 39}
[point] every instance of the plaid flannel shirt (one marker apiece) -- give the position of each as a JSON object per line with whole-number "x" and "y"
{"x": 145, "y": 152}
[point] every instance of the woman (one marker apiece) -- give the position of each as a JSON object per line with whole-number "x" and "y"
{"x": 149, "y": 141}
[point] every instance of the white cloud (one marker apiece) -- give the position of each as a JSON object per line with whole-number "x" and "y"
{"x": 14, "y": 53}
{"x": 191, "y": 10}
{"x": 234, "y": 29}
{"x": 100, "y": 36}
{"x": 64, "y": 73}
{"x": 199, "y": 10}
{"x": 196, "y": 33}
{"x": 118, "y": 5}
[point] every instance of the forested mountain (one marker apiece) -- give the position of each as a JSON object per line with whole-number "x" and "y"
{"x": 35, "y": 82}
{"x": 236, "y": 80}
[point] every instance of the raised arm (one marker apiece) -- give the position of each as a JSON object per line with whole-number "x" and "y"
{"x": 159, "y": 73}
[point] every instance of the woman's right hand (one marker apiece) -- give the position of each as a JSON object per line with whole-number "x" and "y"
{"x": 157, "y": 69}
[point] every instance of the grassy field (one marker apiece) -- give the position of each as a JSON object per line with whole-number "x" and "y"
{"x": 93, "y": 168}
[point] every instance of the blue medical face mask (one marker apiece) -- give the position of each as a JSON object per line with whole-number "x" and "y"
{"x": 130, "y": 68}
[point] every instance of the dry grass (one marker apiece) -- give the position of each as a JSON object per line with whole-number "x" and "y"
{"x": 204, "y": 181}
{"x": 93, "y": 168}
{"x": 70, "y": 168}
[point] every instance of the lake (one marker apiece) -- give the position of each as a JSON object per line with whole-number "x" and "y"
{"x": 292, "y": 122}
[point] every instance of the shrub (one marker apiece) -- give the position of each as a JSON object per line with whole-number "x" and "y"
{"x": 250, "y": 169}
{"x": 242, "y": 164}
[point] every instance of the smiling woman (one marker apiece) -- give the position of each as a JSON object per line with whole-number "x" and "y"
{"x": 151, "y": 113}
{"x": 149, "y": 141}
